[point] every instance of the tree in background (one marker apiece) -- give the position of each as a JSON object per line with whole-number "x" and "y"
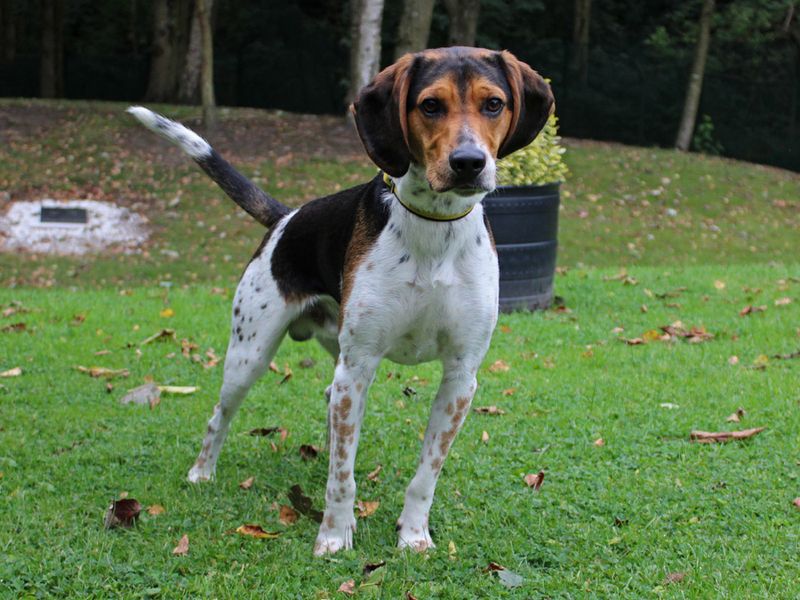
{"x": 189, "y": 84}
{"x": 51, "y": 57}
{"x": 8, "y": 31}
{"x": 365, "y": 43}
{"x": 414, "y": 27}
{"x": 207, "y": 70}
{"x": 463, "y": 15}
{"x": 695, "y": 87}
{"x": 580, "y": 40}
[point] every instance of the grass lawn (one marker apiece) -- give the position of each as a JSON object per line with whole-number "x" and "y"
{"x": 643, "y": 513}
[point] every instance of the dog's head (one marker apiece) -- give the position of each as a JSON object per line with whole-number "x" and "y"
{"x": 453, "y": 111}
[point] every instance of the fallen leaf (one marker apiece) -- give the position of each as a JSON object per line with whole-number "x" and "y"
{"x": 796, "y": 502}
{"x": 307, "y": 363}
{"x": 303, "y": 503}
{"x": 309, "y": 452}
{"x": 167, "y": 313}
{"x": 373, "y": 475}
{"x": 103, "y": 372}
{"x": 181, "y": 390}
{"x": 534, "y": 480}
{"x": 213, "y": 359}
{"x": 183, "y": 546}
{"x": 451, "y": 550}
{"x": 284, "y": 433}
{"x": 489, "y": 410}
{"x": 485, "y": 437}
{"x": 256, "y": 531}
{"x": 652, "y": 335}
{"x": 15, "y": 372}
{"x": 103, "y": 352}
{"x": 783, "y": 301}
{"x": 493, "y": 566}
{"x": 737, "y": 416}
{"x": 599, "y": 442}
{"x": 348, "y": 587}
{"x": 287, "y": 375}
{"x": 367, "y": 508}
{"x": 499, "y": 366}
{"x": 720, "y": 285}
{"x": 705, "y": 437}
{"x": 733, "y": 360}
{"x": 144, "y": 394}
{"x": 668, "y": 405}
{"x": 122, "y": 513}
{"x": 633, "y": 341}
{"x": 164, "y": 334}
{"x": 155, "y": 509}
{"x": 78, "y": 319}
{"x": 274, "y": 368}
{"x": 187, "y": 348}
{"x": 247, "y": 483}
{"x": 263, "y": 431}
{"x": 509, "y": 391}
{"x": 750, "y": 309}
{"x": 287, "y": 515}
{"x": 789, "y": 356}
{"x": 674, "y": 578}
{"x": 370, "y": 567}
{"x": 14, "y": 327}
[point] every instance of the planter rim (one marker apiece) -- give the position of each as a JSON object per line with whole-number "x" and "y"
{"x": 539, "y": 187}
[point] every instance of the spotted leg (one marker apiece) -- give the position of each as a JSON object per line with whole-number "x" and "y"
{"x": 447, "y": 415}
{"x": 346, "y": 411}
{"x": 260, "y": 320}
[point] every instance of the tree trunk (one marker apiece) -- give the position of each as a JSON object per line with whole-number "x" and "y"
{"x": 365, "y": 43}
{"x": 695, "y": 87}
{"x": 207, "y": 64}
{"x": 8, "y": 31}
{"x": 580, "y": 40}
{"x": 463, "y": 16}
{"x": 162, "y": 81}
{"x": 189, "y": 86}
{"x": 414, "y": 27}
{"x": 51, "y": 70}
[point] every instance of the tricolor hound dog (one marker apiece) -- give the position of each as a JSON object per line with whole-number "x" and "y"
{"x": 402, "y": 267}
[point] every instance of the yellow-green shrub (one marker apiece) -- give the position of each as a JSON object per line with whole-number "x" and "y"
{"x": 537, "y": 163}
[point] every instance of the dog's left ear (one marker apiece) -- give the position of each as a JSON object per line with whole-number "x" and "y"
{"x": 532, "y": 103}
{"x": 381, "y": 117}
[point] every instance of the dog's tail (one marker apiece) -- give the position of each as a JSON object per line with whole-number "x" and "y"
{"x": 261, "y": 206}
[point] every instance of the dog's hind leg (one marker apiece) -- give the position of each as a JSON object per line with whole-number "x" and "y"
{"x": 260, "y": 319}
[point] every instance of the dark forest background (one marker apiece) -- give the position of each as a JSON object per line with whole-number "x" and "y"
{"x": 625, "y": 80}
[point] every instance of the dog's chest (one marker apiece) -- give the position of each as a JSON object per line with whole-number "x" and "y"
{"x": 425, "y": 290}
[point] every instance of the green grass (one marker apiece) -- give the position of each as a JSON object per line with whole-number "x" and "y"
{"x": 610, "y": 521}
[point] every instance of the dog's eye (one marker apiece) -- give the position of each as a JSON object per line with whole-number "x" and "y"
{"x": 494, "y": 105}
{"x": 431, "y": 106}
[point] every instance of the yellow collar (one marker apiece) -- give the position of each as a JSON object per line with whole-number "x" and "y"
{"x": 429, "y": 216}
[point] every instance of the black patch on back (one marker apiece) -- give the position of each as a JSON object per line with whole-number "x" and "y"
{"x": 308, "y": 259}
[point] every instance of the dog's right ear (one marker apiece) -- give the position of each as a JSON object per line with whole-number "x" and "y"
{"x": 381, "y": 118}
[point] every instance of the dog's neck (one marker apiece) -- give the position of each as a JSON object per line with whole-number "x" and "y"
{"x": 414, "y": 191}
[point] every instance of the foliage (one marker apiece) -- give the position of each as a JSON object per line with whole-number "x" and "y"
{"x": 704, "y": 140}
{"x": 540, "y": 162}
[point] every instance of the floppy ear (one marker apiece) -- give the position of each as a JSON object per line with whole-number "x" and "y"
{"x": 532, "y": 104}
{"x": 381, "y": 118}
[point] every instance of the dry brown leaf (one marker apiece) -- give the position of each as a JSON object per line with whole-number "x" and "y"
{"x": 307, "y": 363}
{"x": 15, "y": 372}
{"x": 164, "y": 334}
{"x": 213, "y": 359}
{"x": 104, "y": 372}
{"x": 287, "y": 375}
{"x": 737, "y": 416}
{"x": 183, "y": 546}
{"x": 348, "y": 587}
{"x": 674, "y": 578}
{"x": 256, "y": 531}
{"x": 303, "y": 503}
{"x": 309, "y": 452}
{"x": 783, "y": 301}
{"x": 247, "y": 483}
{"x": 287, "y": 515}
{"x": 706, "y": 437}
{"x": 499, "y": 366}
{"x": 367, "y": 508}
{"x": 167, "y": 313}
{"x": 534, "y": 480}
{"x": 14, "y": 327}
{"x": 373, "y": 475}
{"x": 633, "y": 341}
{"x": 155, "y": 509}
{"x": 489, "y": 410}
{"x": 273, "y": 367}
{"x": 750, "y": 309}
{"x": 796, "y": 502}
{"x": 122, "y": 513}
{"x": 733, "y": 360}
{"x": 485, "y": 437}
{"x": 509, "y": 391}
{"x": 599, "y": 442}
{"x": 263, "y": 431}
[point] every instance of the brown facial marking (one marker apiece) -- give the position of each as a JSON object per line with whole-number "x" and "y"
{"x": 433, "y": 139}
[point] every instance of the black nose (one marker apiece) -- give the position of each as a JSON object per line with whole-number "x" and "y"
{"x": 467, "y": 162}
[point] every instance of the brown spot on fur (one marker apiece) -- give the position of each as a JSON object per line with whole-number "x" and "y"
{"x": 330, "y": 522}
{"x": 361, "y": 243}
{"x": 450, "y": 408}
{"x": 436, "y": 464}
{"x": 343, "y": 476}
{"x": 359, "y": 386}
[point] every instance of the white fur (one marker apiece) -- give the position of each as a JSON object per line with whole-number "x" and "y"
{"x": 188, "y": 140}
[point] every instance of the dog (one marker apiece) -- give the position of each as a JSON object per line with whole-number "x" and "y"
{"x": 402, "y": 267}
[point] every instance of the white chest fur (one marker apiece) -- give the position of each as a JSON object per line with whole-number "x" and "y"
{"x": 425, "y": 290}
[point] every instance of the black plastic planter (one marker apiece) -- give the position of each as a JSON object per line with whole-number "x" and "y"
{"x": 524, "y": 222}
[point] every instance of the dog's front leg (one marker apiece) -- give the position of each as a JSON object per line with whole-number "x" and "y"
{"x": 447, "y": 415}
{"x": 351, "y": 380}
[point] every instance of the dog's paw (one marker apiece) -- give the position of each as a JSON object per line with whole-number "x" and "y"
{"x": 416, "y": 538}
{"x": 335, "y": 533}
{"x": 199, "y": 474}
